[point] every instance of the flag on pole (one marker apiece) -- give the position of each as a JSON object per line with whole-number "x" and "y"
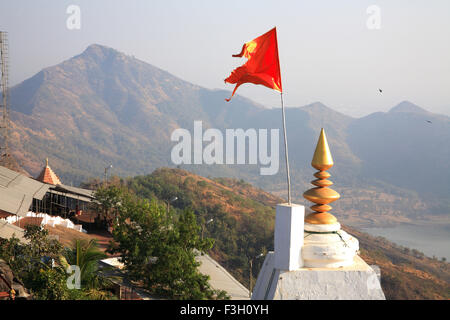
{"x": 262, "y": 66}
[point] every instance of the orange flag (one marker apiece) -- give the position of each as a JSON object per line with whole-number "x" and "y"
{"x": 262, "y": 66}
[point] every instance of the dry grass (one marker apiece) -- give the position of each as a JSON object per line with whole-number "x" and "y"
{"x": 67, "y": 236}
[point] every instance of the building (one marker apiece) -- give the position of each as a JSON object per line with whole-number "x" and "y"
{"x": 62, "y": 200}
{"x": 41, "y": 198}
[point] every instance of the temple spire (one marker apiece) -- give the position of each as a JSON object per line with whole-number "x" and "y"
{"x": 48, "y": 176}
{"x": 321, "y": 194}
{"x": 322, "y": 159}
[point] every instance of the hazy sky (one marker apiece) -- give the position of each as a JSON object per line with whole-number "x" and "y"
{"x": 327, "y": 52}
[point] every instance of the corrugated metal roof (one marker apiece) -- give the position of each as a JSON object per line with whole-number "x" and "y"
{"x": 221, "y": 279}
{"x": 80, "y": 191}
{"x": 17, "y": 181}
{"x": 7, "y": 230}
{"x": 17, "y": 191}
{"x": 14, "y": 202}
{"x": 73, "y": 192}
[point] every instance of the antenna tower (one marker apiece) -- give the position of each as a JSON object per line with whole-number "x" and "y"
{"x": 6, "y": 159}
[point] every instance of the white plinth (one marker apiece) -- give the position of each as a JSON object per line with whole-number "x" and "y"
{"x": 334, "y": 249}
{"x": 355, "y": 282}
{"x": 322, "y": 227}
{"x": 288, "y": 242}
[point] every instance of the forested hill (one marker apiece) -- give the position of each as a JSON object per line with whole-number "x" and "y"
{"x": 243, "y": 224}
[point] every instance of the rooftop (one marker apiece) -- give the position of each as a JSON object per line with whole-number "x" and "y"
{"x": 48, "y": 176}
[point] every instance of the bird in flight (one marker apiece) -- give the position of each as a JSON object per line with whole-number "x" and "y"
{"x": 429, "y": 121}
{"x": 381, "y": 91}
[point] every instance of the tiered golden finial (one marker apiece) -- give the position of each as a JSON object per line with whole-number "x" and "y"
{"x": 321, "y": 195}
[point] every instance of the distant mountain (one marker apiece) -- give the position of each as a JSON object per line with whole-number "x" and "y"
{"x": 103, "y": 107}
{"x": 408, "y": 147}
{"x": 408, "y": 107}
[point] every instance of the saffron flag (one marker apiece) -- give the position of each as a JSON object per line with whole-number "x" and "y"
{"x": 262, "y": 66}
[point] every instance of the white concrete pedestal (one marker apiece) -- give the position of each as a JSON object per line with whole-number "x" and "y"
{"x": 355, "y": 282}
{"x": 314, "y": 262}
{"x": 327, "y": 246}
{"x": 288, "y": 242}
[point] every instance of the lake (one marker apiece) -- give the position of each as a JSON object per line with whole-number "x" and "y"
{"x": 430, "y": 239}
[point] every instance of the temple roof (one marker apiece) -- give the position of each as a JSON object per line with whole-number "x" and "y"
{"x": 48, "y": 176}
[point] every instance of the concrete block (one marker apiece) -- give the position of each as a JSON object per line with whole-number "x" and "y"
{"x": 289, "y": 230}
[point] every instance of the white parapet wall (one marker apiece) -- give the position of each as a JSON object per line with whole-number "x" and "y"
{"x": 356, "y": 282}
{"x": 47, "y": 220}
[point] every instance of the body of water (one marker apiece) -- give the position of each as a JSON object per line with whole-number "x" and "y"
{"x": 432, "y": 240}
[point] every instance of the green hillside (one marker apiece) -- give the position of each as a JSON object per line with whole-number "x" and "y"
{"x": 243, "y": 227}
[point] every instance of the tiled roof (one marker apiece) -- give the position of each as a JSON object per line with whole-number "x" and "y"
{"x": 48, "y": 176}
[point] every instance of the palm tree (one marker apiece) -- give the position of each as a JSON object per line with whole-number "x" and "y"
{"x": 86, "y": 255}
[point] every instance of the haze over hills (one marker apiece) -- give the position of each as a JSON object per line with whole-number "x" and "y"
{"x": 103, "y": 107}
{"x": 402, "y": 148}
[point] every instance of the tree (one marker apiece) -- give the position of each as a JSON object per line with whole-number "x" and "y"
{"x": 175, "y": 272}
{"x": 86, "y": 255}
{"x": 159, "y": 251}
{"x": 48, "y": 284}
{"x": 107, "y": 201}
{"x": 9, "y": 249}
{"x": 39, "y": 265}
{"x": 34, "y": 264}
{"x": 40, "y": 245}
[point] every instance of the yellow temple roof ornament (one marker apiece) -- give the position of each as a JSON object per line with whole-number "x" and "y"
{"x": 322, "y": 159}
{"x": 321, "y": 194}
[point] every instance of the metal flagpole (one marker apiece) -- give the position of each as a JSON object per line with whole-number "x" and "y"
{"x": 286, "y": 150}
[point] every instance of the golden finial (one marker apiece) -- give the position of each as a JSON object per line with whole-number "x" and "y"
{"x": 321, "y": 195}
{"x": 46, "y": 162}
{"x": 322, "y": 159}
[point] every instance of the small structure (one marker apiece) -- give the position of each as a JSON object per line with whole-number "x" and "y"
{"x": 48, "y": 176}
{"x": 62, "y": 200}
{"x": 313, "y": 258}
